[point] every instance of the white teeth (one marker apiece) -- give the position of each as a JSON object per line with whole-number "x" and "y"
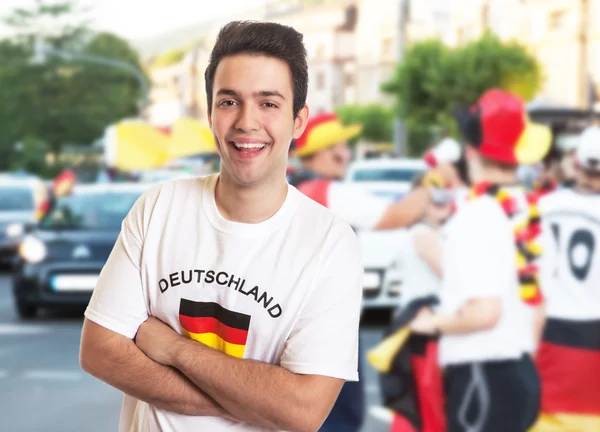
{"x": 249, "y": 145}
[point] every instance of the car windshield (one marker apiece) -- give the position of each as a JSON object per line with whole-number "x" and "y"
{"x": 16, "y": 199}
{"x": 386, "y": 174}
{"x": 104, "y": 211}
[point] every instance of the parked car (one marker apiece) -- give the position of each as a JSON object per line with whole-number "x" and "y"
{"x": 389, "y": 179}
{"x": 20, "y": 199}
{"x": 61, "y": 258}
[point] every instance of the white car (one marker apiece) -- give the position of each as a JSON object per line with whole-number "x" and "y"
{"x": 388, "y": 178}
{"x": 382, "y": 250}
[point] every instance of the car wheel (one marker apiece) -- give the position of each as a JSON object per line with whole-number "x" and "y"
{"x": 26, "y": 310}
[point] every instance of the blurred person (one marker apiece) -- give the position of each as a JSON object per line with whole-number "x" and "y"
{"x": 423, "y": 254}
{"x": 443, "y": 157}
{"x": 490, "y": 289}
{"x": 324, "y": 155}
{"x": 232, "y": 302}
{"x": 422, "y": 259}
{"x": 567, "y": 169}
{"x": 570, "y": 274}
{"x": 448, "y": 159}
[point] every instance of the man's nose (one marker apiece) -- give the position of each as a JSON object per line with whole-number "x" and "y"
{"x": 247, "y": 119}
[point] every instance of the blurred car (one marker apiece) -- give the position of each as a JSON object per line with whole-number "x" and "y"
{"x": 158, "y": 176}
{"x": 389, "y": 179}
{"x": 60, "y": 260}
{"x": 382, "y": 280}
{"x": 20, "y": 199}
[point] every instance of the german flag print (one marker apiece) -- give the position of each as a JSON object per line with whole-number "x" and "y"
{"x": 214, "y": 326}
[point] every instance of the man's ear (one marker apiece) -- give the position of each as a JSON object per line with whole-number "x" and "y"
{"x": 300, "y": 122}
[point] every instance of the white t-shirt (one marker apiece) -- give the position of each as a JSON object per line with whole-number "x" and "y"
{"x": 290, "y": 287}
{"x": 570, "y": 262}
{"x": 478, "y": 262}
{"x": 419, "y": 280}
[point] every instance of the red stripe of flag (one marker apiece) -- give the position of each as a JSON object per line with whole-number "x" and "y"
{"x": 570, "y": 379}
{"x": 212, "y": 325}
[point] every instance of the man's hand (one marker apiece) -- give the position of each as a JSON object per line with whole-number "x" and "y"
{"x": 156, "y": 339}
{"x": 425, "y": 322}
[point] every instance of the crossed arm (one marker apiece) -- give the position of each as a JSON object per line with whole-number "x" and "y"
{"x": 177, "y": 374}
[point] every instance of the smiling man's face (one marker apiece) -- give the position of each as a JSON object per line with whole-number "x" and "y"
{"x": 252, "y": 118}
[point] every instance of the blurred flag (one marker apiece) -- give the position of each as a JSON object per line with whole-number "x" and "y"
{"x": 410, "y": 378}
{"x": 190, "y": 137}
{"x": 134, "y": 146}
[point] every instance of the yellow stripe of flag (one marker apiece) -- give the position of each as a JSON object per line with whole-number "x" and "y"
{"x": 214, "y": 341}
{"x": 566, "y": 422}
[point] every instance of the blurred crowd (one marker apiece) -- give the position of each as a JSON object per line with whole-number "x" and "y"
{"x": 481, "y": 340}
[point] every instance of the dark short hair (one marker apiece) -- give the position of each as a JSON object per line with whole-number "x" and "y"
{"x": 262, "y": 38}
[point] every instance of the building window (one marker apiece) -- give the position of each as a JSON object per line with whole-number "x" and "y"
{"x": 557, "y": 20}
{"x": 320, "y": 80}
{"x": 320, "y": 52}
{"x": 386, "y": 48}
{"x": 348, "y": 79}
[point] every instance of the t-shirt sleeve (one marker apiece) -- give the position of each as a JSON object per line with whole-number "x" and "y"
{"x": 118, "y": 302}
{"x": 484, "y": 245}
{"x": 356, "y": 206}
{"x": 324, "y": 340}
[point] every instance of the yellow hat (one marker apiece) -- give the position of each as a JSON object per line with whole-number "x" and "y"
{"x": 323, "y": 131}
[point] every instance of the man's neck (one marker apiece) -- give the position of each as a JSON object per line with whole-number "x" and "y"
{"x": 500, "y": 177}
{"x": 249, "y": 204}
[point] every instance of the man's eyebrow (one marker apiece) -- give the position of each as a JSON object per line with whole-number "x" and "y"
{"x": 262, "y": 93}
{"x": 269, "y": 93}
{"x": 227, "y": 92}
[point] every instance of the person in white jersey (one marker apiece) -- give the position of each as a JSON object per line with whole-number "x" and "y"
{"x": 232, "y": 302}
{"x": 569, "y": 355}
{"x": 490, "y": 381}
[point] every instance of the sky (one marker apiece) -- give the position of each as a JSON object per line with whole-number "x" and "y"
{"x": 142, "y": 19}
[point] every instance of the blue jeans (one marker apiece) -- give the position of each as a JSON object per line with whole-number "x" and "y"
{"x": 348, "y": 412}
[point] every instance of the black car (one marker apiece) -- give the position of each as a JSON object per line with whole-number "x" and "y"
{"x": 60, "y": 260}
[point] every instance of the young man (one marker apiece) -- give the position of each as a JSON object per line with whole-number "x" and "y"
{"x": 324, "y": 156}
{"x": 232, "y": 302}
{"x": 490, "y": 285}
{"x": 570, "y": 270}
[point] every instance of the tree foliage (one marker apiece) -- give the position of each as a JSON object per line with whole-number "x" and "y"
{"x": 61, "y": 100}
{"x": 434, "y": 79}
{"x": 377, "y": 121}
{"x": 168, "y": 58}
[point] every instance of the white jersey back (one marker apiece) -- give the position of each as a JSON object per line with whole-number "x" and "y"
{"x": 570, "y": 262}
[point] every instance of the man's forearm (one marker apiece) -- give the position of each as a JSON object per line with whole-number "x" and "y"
{"x": 257, "y": 393}
{"x": 471, "y": 318}
{"x": 130, "y": 371}
{"x": 405, "y": 212}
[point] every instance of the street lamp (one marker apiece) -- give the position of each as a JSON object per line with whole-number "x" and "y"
{"x": 400, "y": 130}
{"x": 41, "y": 51}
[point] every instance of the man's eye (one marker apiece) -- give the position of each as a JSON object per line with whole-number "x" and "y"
{"x": 270, "y": 105}
{"x": 227, "y": 103}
